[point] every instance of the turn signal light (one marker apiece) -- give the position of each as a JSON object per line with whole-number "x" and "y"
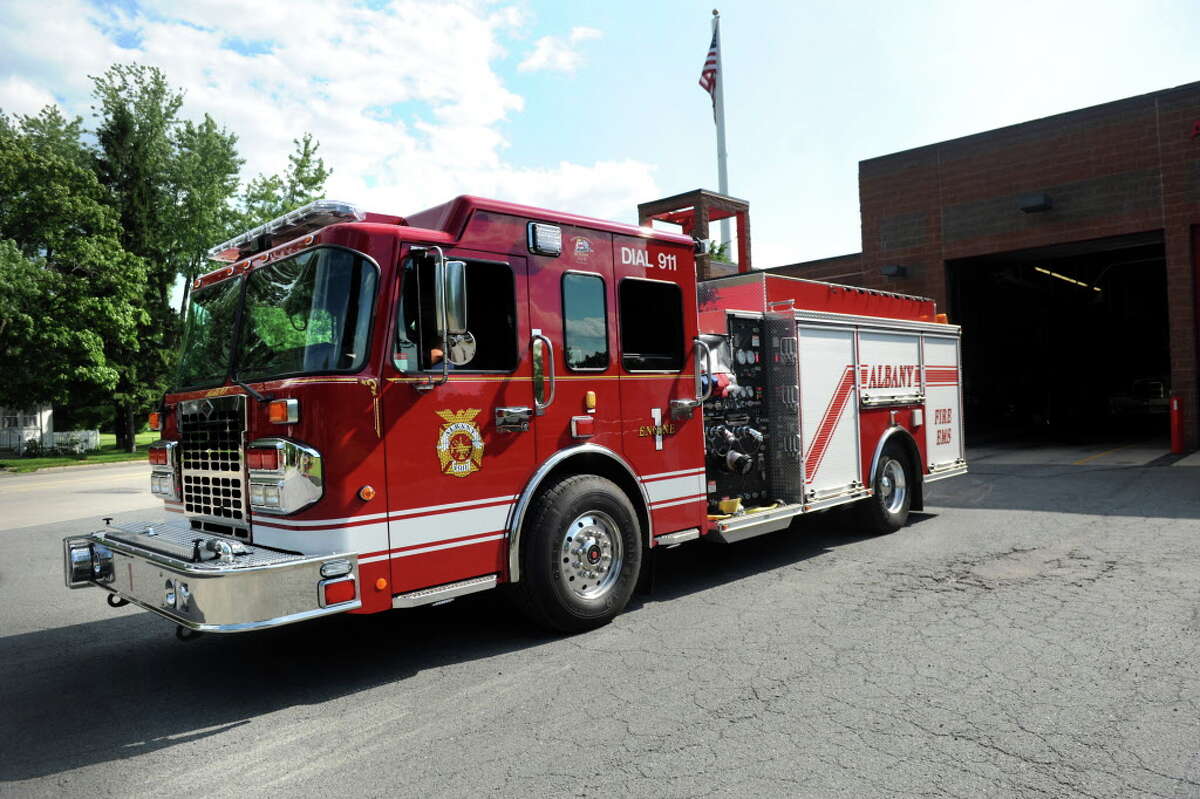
{"x": 284, "y": 411}
{"x": 154, "y": 421}
{"x": 265, "y": 459}
{"x": 158, "y": 456}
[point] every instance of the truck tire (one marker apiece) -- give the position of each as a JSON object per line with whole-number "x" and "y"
{"x": 886, "y": 511}
{"x": 581, "y": 552}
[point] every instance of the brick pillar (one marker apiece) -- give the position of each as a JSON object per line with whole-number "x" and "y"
{"x": 1183, "y": 298}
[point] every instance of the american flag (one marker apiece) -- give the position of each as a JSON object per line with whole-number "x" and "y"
{"x": 708, "y": 75}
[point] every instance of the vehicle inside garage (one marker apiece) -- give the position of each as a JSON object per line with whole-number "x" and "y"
{"x": 1069, "y": 342}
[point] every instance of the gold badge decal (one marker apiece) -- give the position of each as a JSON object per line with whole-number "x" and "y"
{"x": 460, "y": 447}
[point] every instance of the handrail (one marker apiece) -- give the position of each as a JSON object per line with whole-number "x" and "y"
{"x": 702, "y": 396}
{"x": 442, "y": 322}
{"x": 547, "y": 371}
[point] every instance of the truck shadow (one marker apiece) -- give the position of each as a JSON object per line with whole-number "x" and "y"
{"x": 123, "y": 687}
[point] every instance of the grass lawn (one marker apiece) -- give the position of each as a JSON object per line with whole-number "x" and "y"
{"x": 108, "y": 454}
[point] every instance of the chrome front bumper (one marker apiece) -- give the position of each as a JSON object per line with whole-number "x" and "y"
{"x": 207, "y": 582}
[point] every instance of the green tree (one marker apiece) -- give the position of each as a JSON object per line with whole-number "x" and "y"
{"x": 137, "y": 110}
{"x": 270, "y": 196}
{"x": 171, "y": 182}
{"x": 203, "y": 178}
{"x": 95, "y": 238}
{"x": 71, "y": 291}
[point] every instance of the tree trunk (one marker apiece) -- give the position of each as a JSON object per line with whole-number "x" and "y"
{"x": 183, "y": 304}
{"x": 129, "y": 425}
{"x": 123, "y": 426}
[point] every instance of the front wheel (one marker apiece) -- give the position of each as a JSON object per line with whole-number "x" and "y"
{"x": 580, "y": 555}
{"x": 887, "y": 510}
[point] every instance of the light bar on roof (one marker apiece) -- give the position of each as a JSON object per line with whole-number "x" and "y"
{"x": 305, "y": 219}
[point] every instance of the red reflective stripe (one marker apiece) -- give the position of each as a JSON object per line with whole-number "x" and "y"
{"x": 825, "y": 430}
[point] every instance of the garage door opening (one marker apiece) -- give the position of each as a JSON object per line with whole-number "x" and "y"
{"x": 1069, "y": 342}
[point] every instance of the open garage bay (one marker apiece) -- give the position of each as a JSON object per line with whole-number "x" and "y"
{"x": 1068, "y": 342}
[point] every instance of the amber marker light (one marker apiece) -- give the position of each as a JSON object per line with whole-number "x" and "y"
{"x": 589, "y": 400}
{"x": 380, "y": 584}
{"x": 366, "y": 493}
{"x": 154, "y": 421}
{"x": 284, "y": 411}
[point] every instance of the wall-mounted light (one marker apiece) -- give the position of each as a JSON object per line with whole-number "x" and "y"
{"x": 894, "y": 270}
{"x": 1035, "y": 203}
{"x": 1079, "y": 283}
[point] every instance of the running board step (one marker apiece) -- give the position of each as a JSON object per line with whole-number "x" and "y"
{"x": 443, "y": 593}
{"x": 675, "y": 539}
{"x": 748, "y": 525}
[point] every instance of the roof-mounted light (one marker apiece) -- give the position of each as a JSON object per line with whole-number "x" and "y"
{"x": 305, "y": 219}
{"x": 545, "y": 239}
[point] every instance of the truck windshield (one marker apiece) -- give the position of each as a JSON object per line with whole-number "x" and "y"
{"x": 212, "y": 314}
{"x": 308, "y": 313}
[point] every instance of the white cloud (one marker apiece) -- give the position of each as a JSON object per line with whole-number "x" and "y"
{"x": 581, "y": 33}
{"x": 18, "y": 96}
{"x": 404, "y": 99}
{"x": 555, "y": 54}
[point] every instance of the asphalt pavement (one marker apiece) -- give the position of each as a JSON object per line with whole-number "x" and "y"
{"x": 73, "y": 492}
{"x": 1035, "y": 632}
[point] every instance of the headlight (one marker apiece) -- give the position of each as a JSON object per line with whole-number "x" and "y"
{"x": 162, "y": 484}
{"x": 284, "y": 476}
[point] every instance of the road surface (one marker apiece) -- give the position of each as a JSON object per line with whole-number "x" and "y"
{"x": 1034, "y": 633}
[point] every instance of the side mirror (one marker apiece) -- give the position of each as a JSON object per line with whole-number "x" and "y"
{"x": 454, "y": 290}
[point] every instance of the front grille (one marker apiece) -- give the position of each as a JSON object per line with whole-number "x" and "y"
{"x": 211, "y": 435}
{"x": 219, "y": 529}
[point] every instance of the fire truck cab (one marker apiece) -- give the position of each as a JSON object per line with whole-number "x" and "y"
{"x": 377, "y": 412}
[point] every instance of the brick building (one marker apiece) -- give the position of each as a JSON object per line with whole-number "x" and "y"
{"x": 1067, "y": 247}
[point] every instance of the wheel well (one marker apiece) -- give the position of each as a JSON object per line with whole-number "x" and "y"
{"x": 603, "y": 466}
{"x": 900, "y": 438}
{"x": 588, "y": 459}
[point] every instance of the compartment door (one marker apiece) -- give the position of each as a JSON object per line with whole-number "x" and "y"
{"x": 889, "y": 367}
{"x": 943, "y": 404}
{"x": 828, "y": 412}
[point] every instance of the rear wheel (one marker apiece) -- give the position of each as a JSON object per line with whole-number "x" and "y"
{"x": 580, "y": 555}
{"x": 887, "y": 510}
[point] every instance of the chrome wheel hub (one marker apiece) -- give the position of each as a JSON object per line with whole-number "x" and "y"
{"x": 590, "y": 555}
{"x": 893, "y": 487}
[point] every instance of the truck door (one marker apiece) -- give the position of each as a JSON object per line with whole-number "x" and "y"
{"x": 452, "y": 471}
{"x": 943, "y": 398}
{"x": 655, "y": 304}
{"x": 828, "y": 411}
{"x": 573, "y": 342}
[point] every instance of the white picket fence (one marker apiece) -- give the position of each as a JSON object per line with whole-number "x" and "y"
{"x": 15, "y": 439}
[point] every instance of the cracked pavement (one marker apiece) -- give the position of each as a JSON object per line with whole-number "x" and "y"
{"x": 1033, "y": 633}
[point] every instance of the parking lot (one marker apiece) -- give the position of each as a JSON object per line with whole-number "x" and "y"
{"x": 1034, "y": 632}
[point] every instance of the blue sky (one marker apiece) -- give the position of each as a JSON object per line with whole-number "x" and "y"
{"x": 594, "y": 107}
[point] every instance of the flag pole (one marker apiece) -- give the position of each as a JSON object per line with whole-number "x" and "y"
{"x": 722, "y": 170}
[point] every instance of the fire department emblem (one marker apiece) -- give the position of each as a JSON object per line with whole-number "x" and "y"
{"x": 459, "y": 446}
{"x": 581, "y": 248}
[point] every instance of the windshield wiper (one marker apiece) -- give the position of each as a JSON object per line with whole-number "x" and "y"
{"x": 253, "y": 393}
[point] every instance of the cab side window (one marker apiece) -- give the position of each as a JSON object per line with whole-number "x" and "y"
{"x": 491, "y": 318}
{"x": 585, "y": 322}
{"x": 651, "y": 326}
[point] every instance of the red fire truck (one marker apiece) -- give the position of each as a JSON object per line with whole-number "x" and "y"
{"x": 377, "y": 412}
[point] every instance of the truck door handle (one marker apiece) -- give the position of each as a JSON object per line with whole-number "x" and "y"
{"x": 682, "y": 408}
{"x": 513, "y": 420}
{"x": 545, "y": 364}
